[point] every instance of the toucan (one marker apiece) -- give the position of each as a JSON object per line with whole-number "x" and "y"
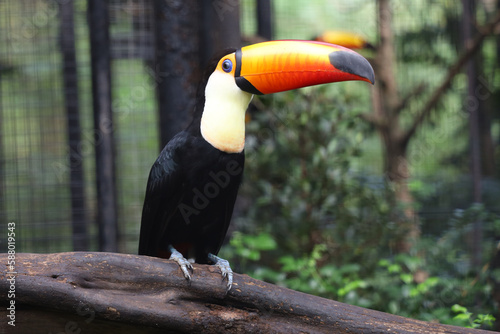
{"x": 345, "y": 38}
{"x": 193, "y": 184}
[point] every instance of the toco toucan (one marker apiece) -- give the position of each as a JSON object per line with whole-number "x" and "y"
{"x": 345, "y": 38}
{"x": 193, "y": 184}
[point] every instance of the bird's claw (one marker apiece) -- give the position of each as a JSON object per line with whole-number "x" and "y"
{"x": 185, "y": 265}
{"x": 225, "y": 268}
{"x": 227, "y": 273}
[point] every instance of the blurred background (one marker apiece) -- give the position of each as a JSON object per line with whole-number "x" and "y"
{"x": 386, "y": 197}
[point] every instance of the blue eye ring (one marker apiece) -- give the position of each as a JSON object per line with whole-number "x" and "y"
{"x": 227, "y": 65}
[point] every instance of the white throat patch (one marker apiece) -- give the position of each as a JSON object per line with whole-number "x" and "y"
{"x": 223, "y": 118}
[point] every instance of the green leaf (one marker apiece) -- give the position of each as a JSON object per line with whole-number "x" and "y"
{"x": 384, "y": 263}
{"x": 462, "y": 316}
{"x": 393, "y": 307}
{"x": 406, "y": 278}
{"x": 290, "y": 264}
{"x": 487, "y": 319}
{"x": 394, "y": 268}
{"x": 264, "y": 241}
{"x": 458, "y": 309}
{"x": 254, "y": 255}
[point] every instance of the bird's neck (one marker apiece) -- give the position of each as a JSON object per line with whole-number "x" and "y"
{"x": 223, "y": 119}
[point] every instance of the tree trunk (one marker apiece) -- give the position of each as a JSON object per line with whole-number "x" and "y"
{"x": 177, "y": 68}
{"x": 119, "y": 293}
{"x": 265, "y": 19}
{"x": 104, "y": 143}
{"x": 71, "y": 102}
{"x": 398, "y": 172}
{"x": 386, "y": 102}
{"x": 220, "y": 28}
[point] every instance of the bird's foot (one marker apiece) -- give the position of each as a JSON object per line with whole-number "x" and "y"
{"x": 225, "y": 269}
{"x": 185, "y": 265}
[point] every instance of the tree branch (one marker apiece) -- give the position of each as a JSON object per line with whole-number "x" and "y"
{"x": 471, "y": 49}
{"x": 120, "y": 293}
{"x": 416, "y": 91}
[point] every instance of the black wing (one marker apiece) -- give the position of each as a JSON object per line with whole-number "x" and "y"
{"x": 163, "y": 194}
{"x": 231, "y": 196}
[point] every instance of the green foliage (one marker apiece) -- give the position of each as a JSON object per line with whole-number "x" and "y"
{"x": 465, "y": 318}
{"x": 313, "y": 224}
{"x": 300, "y": 177}
{"x": 410, "y": 286}
{"x": 249, "y": 247}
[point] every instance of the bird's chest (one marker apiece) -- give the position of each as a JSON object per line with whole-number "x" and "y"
{"x": 210, "y": 187}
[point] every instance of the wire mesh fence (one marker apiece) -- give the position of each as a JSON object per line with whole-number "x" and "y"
{"x": 33, "y": 126}
{"x": 40, "y": 151}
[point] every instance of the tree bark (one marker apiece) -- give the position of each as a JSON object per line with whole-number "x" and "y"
{"x": 104, "y": 127}
{"x": 265, "y": 19}
{"x": 74, "y": 129}
{"x": 220, "y": 28}
{"x": 387, "y": 108}
{"x": 177, "y": 68}
{"x": 120, "y": 293}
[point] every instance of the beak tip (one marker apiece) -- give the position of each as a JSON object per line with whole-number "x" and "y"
{"x": 353, "y": 63}
{"x": 372, "y": 78}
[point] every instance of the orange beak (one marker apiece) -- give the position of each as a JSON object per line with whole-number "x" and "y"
{"x": 277, "y": 66}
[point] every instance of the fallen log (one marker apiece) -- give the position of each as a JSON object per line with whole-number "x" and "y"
{"x": 85, "y": 292}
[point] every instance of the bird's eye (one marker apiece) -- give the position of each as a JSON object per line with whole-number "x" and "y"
{"x": 227, "y": 65}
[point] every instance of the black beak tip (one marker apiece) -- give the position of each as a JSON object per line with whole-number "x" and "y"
{"x": 352, "y": 63}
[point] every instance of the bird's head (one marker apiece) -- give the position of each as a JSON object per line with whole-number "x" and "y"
{"x": 265, "y": 68}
